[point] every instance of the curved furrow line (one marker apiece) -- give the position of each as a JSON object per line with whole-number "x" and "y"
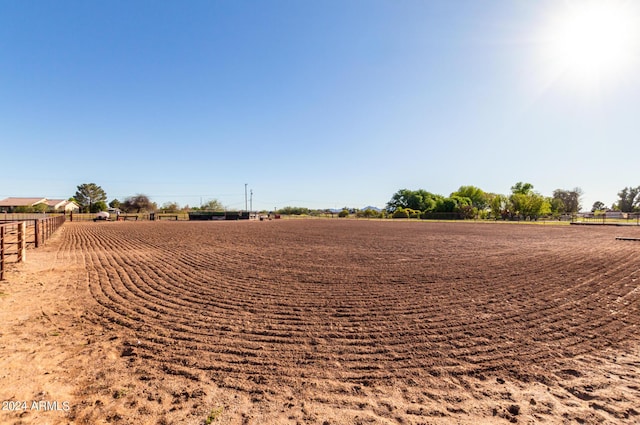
{"x": 152, "y": 282}
{"x": 528, "y": 318}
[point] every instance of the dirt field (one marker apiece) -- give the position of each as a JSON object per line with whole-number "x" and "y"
{"x": 323, "y": 322}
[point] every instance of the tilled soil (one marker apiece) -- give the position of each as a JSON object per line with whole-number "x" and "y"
{"x": 345, "y": 322}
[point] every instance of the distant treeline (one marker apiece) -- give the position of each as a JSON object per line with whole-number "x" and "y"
{"x": 523, "y": 203}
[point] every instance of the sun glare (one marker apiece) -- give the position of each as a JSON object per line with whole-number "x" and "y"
{"x": 592, "y": 42}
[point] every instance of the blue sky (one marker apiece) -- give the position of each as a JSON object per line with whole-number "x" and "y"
{"x": 318, "y": 104}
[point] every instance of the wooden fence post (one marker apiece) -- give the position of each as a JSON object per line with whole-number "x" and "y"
{"x": 22, "y": 238}
{"x": 1, "y": 252}
{"x": 37, "y": 232}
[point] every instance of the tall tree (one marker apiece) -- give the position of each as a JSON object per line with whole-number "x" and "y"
{"x": 138, "y": 203}
{"x": 499, "y": 205}
{"x": 89, "y": 194}
{"x": 567, "y": 201}
{"x": 170, "y": 207}
{"x": 526, "y": 203}
{"x": 419, "y": 200}
{"x": 628, "y": 199}
{"x": 523, "y": 188}
{"x": 456, "y": 204}
{"x": 213, "y": 205}
{"x": 598, "y": 206}
{"x": 475, "y": 194}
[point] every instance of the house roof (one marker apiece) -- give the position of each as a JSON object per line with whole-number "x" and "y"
{"x": 21, "y": 202}
{"x": 61, "y": 203}
{"x": 54, "y": 202}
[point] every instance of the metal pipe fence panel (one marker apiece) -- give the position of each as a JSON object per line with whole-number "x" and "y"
{"x": 12, "y": 243}
{"x": 18, "y": 235}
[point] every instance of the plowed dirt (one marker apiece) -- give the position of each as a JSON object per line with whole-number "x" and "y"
{"x": 323, "y": 322}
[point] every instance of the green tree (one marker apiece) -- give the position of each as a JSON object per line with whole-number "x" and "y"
{"x": 40, "y": 208}
{"x": 598, "y": 206}
{"x": 518, "y": 205}
{"x": 539, "y": 206}
{"x": 213, "y": 205}
{"x": 170, "y": 207}
{"x": 628, "y": 199}
{"x": 419, "y": 200}
{"x": 367, "y": 213}
{"x": 567, "y": 201}
{"x": 400, "y": 199}
{"x": 400, "y": 213}
{"x": 456, "y": 204}
{"x": 499, "y": 205}
{"x": 527, "y": 204}
{"x": 114, "y": 204}
{"x": 522, "y": 188}
{"x": 293, "y": 211}
{"x": 475, "y": 194}
{"x": 88, "y": 194}
{"x": 98, "y": 206}
{"x": 467, "y": 212}
{"x": 37, "y": 208}
{"x": 557, "y": 207}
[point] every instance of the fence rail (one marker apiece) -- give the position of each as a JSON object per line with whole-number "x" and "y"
{"x": 112, "y": 217}
{"x": 18, "y": 235}
{"x": 12, "y": 242}
{"x": 611, "y": 219}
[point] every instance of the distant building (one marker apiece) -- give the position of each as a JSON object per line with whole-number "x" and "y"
{"x": 11, "y": 204}
{"x": 62, "y": 205}
{"x": 52, "y": 205}
{"x": 616, "y": 214}
{"x": 606, "y": 214}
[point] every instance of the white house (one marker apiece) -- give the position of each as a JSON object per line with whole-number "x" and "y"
{"x": 62, "y": 205}
{"x": 56, "y": 205}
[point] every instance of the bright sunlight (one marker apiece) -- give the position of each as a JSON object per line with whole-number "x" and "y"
{"x": 589, "y": 43}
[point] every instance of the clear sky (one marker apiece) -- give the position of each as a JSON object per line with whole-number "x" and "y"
{"x": 321, "y": 104}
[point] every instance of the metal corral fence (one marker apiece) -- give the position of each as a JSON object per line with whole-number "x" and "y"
{"x": 179, "y": 216}
{"x": 18, "y": 235}
{"x": 173, "y": 216}
{"x": 12, "y": 242}
{"x": 112, "y": 216}
{"x": 610, "y": 218}
{"x": 5, "y": 216}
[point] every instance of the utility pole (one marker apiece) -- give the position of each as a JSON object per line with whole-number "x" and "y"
{"x": 251, "y": 200}
{"x": 245, "y": 197}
